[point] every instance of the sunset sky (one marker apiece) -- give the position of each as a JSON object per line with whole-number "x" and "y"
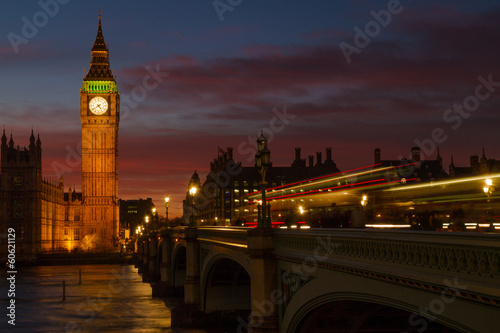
{"x": 351, "y": 75}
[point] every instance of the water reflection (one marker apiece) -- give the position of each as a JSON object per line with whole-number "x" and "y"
{"x": 111, "y": 298}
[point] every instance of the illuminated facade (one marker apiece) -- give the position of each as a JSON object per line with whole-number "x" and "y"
{"x": 100, "y": 116}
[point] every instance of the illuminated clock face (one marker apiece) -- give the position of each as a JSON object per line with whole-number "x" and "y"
{"x": 98, "y": 105}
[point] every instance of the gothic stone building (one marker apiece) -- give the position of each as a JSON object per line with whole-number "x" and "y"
{"x": 223, "y": 197}
{"x": 47, "y": 219}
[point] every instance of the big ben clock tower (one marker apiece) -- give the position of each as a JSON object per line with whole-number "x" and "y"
{"x": 100, "y": 117}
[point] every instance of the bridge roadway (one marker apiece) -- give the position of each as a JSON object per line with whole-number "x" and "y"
{"x": 310, "y": 280}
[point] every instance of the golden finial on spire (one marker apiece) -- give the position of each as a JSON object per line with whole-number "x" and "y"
{"x": 100, "y": 13}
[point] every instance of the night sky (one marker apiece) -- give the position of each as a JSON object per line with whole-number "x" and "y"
{"x": 344, "y": 79}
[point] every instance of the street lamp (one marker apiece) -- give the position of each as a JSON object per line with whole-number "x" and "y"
{"x": 192, "y": 191}
{"x": 167, "y": 201}
{"x": 263, "y": 163}
{"x": 193, "y": 187}
{"x": 488, "y": 187}
{"x": 154, "y": 218}
{"x": 364, "y": 200}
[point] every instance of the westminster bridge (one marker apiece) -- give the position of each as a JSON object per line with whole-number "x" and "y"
{"x": 311, "y": 280}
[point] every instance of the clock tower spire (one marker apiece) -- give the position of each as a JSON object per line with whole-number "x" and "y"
{"x": 100, "y": 117}
{"x": 99, "y": 58}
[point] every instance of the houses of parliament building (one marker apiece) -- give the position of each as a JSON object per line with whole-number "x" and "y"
{"x": 45, "y": 217}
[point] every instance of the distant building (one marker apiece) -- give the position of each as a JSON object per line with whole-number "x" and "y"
{"x": 418, "y": 170}
{"x": 222, "y": 197}
{"x": 483, "y": 166}
{"x": 134, "y": 212}
{"x": 413, "y": 169}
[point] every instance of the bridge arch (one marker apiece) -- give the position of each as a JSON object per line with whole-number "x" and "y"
{"x": 225, "y": 285}
{"x": 178, "y": 271}
{"x": 352, "y": 313}
{"x": 323, "y": 293}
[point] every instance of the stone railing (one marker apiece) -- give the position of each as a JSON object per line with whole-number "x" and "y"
{"x": 415, "y": 256}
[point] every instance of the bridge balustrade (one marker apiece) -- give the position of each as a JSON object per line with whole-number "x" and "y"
{"x": 418, "y": 261}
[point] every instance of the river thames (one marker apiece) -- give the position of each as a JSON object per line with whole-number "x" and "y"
{"x": 111, "y": 298}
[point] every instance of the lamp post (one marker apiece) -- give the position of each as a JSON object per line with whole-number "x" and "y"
{"x": 167, "y": 201}
{"x": 263, "y": 163}
{"x": 192, "y": 192}
{"x": 154, "y": 219}
{"x": 193, "y": 187}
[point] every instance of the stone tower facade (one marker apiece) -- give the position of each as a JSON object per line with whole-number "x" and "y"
{"x": 100, "y": 116}
{"x": 44, "y": 218}
{"x": 20, "y": 185}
